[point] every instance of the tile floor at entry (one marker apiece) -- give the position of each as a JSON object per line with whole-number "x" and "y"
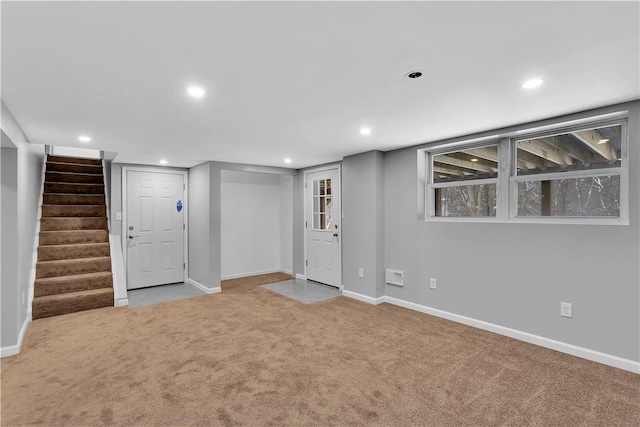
{"x": 163, "y": 293}
{"x": 306, "y": 292}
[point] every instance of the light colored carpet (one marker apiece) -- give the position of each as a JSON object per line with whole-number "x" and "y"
{"x": 248, "y": 357}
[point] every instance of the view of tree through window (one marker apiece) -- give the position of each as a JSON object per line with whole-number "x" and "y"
{"x": 591, "y": 196}
{"x": 466, "y": 200}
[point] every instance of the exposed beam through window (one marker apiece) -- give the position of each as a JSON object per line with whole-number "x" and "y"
{"x": 592, "y": 138}
{"x": 476, "y": 166}
{"x": 447, "y": 171}
{"x": 541, "y": 149}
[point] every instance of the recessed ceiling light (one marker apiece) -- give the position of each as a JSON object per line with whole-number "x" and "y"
{"x": 532, "y": 84}
{"x": 84, "y": 138}
{"x": 287, "y": 160}
{"x": 196, "y": 91}
{"x": 163, "y": 162}
{"x": 365, "y": 131}
{"x": 603, "y": 141}
{"x": 474, "y": 160}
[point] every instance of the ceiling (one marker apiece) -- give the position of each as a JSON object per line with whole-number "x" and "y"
{"x": 299, "y": 79}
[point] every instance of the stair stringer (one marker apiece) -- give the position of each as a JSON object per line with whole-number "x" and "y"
{"x": 36, "y": 241}
{"x": 118, "y": 270}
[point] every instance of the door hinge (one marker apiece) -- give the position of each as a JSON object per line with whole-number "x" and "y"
{"x": 306, "y": 262}
{"x": 305, "y": 224}
{"x": 184, "y": 226}
{"x": 305, "y": 185}
{"x": 184, "y": 186}
{"x": 184, "y": 265}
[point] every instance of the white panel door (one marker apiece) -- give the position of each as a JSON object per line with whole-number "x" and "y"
{"x": 322, "y": 195}
{"x": 155, "y": 230}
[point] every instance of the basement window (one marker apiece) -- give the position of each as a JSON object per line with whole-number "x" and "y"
{"x": 563, "y": 174}
{"x": 572, "y": 174}
{"x": 465, "y": 182}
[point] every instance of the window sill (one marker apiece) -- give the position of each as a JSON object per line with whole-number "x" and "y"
{"x": 536, "y": 220}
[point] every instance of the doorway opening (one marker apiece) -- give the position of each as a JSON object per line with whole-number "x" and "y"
{"x": 256, "y": 212}
{"x": 154, "y": 226}
{"x": 323, "y": 220}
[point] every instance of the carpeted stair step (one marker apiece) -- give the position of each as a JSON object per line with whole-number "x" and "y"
{"x": 73, "y": 167}
{"x": 71, "y": 237}
{"x": 73, "y": 188}
{"x": 76, "y": 283}
{"x": 86, "y": 178}
{"x": 49, "y": 211}
{"x": 72, "y": 302}
{"x": 81, "y": 250}
{"x": 68, "y": 267}
{"x": 77, "y": 160}
{"x": 73, "y": 272}
{"x": 73, "y": 199}
{"x": 71, "y": 223}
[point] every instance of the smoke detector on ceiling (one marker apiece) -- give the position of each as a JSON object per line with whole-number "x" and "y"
{"x": 414, "y": 74}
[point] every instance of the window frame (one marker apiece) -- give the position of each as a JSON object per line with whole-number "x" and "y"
{"x": 507, "y": 180}
{"x": 431, "y": 186}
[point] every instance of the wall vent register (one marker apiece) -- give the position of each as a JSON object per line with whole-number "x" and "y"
{"x": 394, "y": 277}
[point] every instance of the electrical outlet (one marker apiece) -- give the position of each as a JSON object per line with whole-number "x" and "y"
{"x": 432, "y": 283}
{"x": 361, "y": 272}
{"x": 566, "y": 309}
{"x": 118, "y": 216}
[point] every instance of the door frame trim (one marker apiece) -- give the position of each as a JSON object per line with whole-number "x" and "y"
{"x": 305, "y": 211}
{"x": 125, "y": 195}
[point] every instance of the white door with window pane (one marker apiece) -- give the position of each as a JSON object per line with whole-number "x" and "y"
{"x": 322, "y": 196}
{"x": 154, "y": 228}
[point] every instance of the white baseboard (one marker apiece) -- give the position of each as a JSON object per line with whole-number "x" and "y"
{"x": 123, "y": 302}
{"x": 363, "y": 298}
{"x": 202, "y": 287}
{"x": 12, "y": 350}
{"x": 118, "y": 270}
{"x": 289, "y": 272}
{"x": 301, "y": 277}
{"x": 585, "y": 353}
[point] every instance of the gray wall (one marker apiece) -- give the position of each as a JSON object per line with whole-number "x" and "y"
{"x": 107, "y": 187}
{"x": 28, "y": 161}
{"x": 205, "y": 266}
{"x": 257, "y": 223}
{"x": 199, "y": 209}
{"x": 363, "y": 223}
{"x": 115, "y": 198}
{"x": 516, "y": 275}
{"x": 9, "y": 232}
{"x": 298, "y": 223}
{"x": 286, "y": 223}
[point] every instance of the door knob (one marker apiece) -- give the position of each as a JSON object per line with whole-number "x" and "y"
{"x": 335, "y": 234}
{"x": 132, "y": 236}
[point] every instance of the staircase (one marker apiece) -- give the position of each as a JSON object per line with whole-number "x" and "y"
{"x": 73, "y": 272}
